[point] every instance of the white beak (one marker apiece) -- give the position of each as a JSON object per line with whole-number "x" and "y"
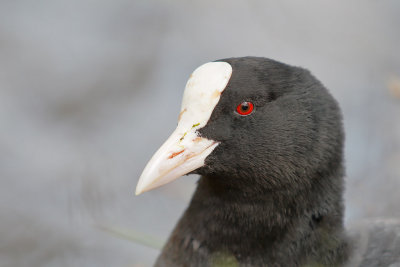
{"x": 185, "y": 151}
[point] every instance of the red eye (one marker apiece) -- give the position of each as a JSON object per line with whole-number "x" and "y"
{"x": 245, "y": 108}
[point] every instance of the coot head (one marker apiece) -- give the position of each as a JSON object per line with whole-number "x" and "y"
{"x": 253, "y": 124}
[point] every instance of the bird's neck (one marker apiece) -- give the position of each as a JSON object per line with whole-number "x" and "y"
{"x": 274, "y": 226}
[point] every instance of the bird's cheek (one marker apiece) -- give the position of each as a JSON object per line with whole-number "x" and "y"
{"x": 220, "y": 131}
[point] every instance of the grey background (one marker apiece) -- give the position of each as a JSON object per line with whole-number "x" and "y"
{"x": 90, "y": 89}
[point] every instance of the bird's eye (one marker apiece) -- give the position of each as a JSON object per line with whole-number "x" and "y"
{"x": 245, "y": 108}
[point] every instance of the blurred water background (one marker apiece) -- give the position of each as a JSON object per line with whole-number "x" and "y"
{"x": 90, "y": 89}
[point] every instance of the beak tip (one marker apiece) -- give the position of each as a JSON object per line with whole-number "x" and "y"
{"x": 139, "y": 190}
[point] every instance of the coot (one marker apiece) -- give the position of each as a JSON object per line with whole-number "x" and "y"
{"x": 267, "y": 140}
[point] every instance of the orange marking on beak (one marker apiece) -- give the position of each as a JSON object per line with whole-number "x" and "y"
{"x": 173, "y": 155}
{"x": 197, "y": 139}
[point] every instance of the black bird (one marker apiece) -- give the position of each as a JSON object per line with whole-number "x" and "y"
{"x": 267, "y": 140}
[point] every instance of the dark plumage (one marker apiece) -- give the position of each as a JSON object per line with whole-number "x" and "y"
{"x": 270, "y": 194}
